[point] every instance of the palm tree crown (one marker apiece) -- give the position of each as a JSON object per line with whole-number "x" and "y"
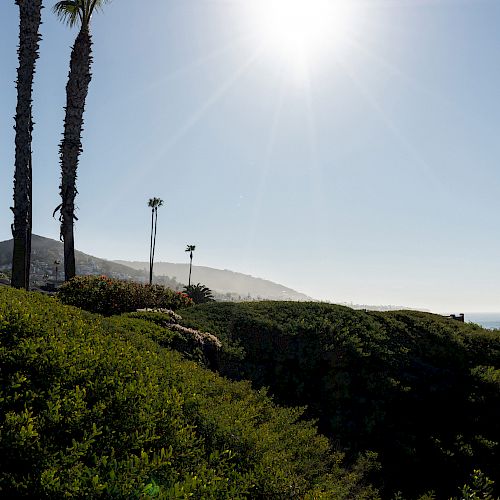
{"x": 154, "y": 203}
{"x": 80, "y": 12}
{"x": 200, "y": 294}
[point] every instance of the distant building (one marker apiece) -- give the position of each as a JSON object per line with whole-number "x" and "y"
{"x": 457, "y": 317}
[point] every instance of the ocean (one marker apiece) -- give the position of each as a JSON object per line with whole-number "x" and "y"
{"x": 486, "y": 320}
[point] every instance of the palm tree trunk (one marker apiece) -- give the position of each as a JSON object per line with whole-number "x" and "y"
{"x": 190, "y": 266}
{"x": 154, "y": 246}
{"x": 30, "y": 19}
{"x": 30, "y": 224}
{"x": 151, "y": 249}
{"x": 71, "y": 145}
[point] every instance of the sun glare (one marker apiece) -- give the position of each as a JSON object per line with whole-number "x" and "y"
{"x": 302, "y": 30}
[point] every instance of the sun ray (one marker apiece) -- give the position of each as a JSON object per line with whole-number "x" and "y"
{"x": 232, "y": 46}
{"x": 128, "y": 184}
{"x": 265, "y": 166}
{"x": 402, "y": 139}
{"x": 141, "y": 143}
{"x": 315, "y": 170}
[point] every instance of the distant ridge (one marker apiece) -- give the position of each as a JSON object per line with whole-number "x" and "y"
{"x": 228, "y": 285}
{"x": 237, "y": 285}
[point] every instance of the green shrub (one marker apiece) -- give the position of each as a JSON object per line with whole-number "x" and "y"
{"x": 186, "y": 340}
{"x": 107, "y": 296}
{"x": 158, "y": 326}
{"x": 480, "y": 488}
{"x": 421, "y": 390}
{"x": 92, "y": 407}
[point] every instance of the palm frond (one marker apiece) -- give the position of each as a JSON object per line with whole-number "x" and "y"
{"x": 91, "y": 6}
{"x": 69, "y": 11}
{"x": 155, "y": 203}
{"x": 73, "y": 11}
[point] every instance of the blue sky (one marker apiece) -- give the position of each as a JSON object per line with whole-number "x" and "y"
{"x": 373, "y": 180}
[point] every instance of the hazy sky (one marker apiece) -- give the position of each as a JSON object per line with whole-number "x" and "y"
{"x": 372, "y": 177}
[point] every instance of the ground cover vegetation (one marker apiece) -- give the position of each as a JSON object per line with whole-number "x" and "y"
{"x": 421, "y": 391}
{"x": 92, "y": 406}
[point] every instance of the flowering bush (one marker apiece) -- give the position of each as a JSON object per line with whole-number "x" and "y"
{"x": 103, "y": 295}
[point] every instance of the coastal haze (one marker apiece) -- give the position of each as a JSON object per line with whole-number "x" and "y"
{"x": 222, "y": 281}
{"x": 227, "y": 285}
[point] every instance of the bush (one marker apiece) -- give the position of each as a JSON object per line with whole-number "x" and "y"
{"x": 94, "y": 408}
{"x": 107, "y": 296}
{"x": 420, "y": 390}
{"x": 163, "y": 328}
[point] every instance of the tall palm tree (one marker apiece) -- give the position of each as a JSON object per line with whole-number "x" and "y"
{"x": 74, "y": 13}
{"x": 30, "y": 15}
{"x": 190, "y": 249}
{"x": 153, "y": 203}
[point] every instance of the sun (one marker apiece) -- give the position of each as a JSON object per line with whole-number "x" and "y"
{"x": 300, "y": 31}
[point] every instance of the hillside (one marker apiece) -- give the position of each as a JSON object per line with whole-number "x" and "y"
{"x": 96, "y": 408}
{"x": 236, "y": 285}
{"x": 420, "y": 390}
{"x": 227, "y": 285}
{"x": 409, "y": 400}
{"x": 46, "y": 250}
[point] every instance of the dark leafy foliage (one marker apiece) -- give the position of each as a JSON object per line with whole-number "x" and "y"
{"x": 480, "y": 487}
{"x": 162, "y": 327}
{"x": 421, "y": 390}
{"x": 103, "y": 295}
{"x": 92, "y": 407}
{"x": 200, "y": 294}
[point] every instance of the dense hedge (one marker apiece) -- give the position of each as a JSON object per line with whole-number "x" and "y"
{"x": 103, "y": 295}
{"x": 93, "y": 407}
{"x": 421, "y": 390}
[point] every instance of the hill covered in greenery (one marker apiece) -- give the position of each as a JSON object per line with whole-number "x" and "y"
{"x": 420, "y": 390}
{"x": 227, "y": 285}
{"x": 94, "y": 407}
{"x": 123, "y": 404}
{"x": 44, "y": 251}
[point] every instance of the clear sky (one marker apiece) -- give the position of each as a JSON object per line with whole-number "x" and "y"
{"x": 369, "y": 172}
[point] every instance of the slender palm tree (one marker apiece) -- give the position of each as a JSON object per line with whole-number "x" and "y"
{"x": 153, "y": 203}
{"x": 74, "y": 13}
{"x": 30, "y": 15}
{"x": 190, "y": 249}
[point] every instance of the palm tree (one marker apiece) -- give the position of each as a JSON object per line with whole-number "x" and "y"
{"x": 30, "y": 15}
{"x": 190, "y": 249}
{"x": 153, "y": 203}
{"x": 200, "y": 294}
{"x": 74, "y": 12}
